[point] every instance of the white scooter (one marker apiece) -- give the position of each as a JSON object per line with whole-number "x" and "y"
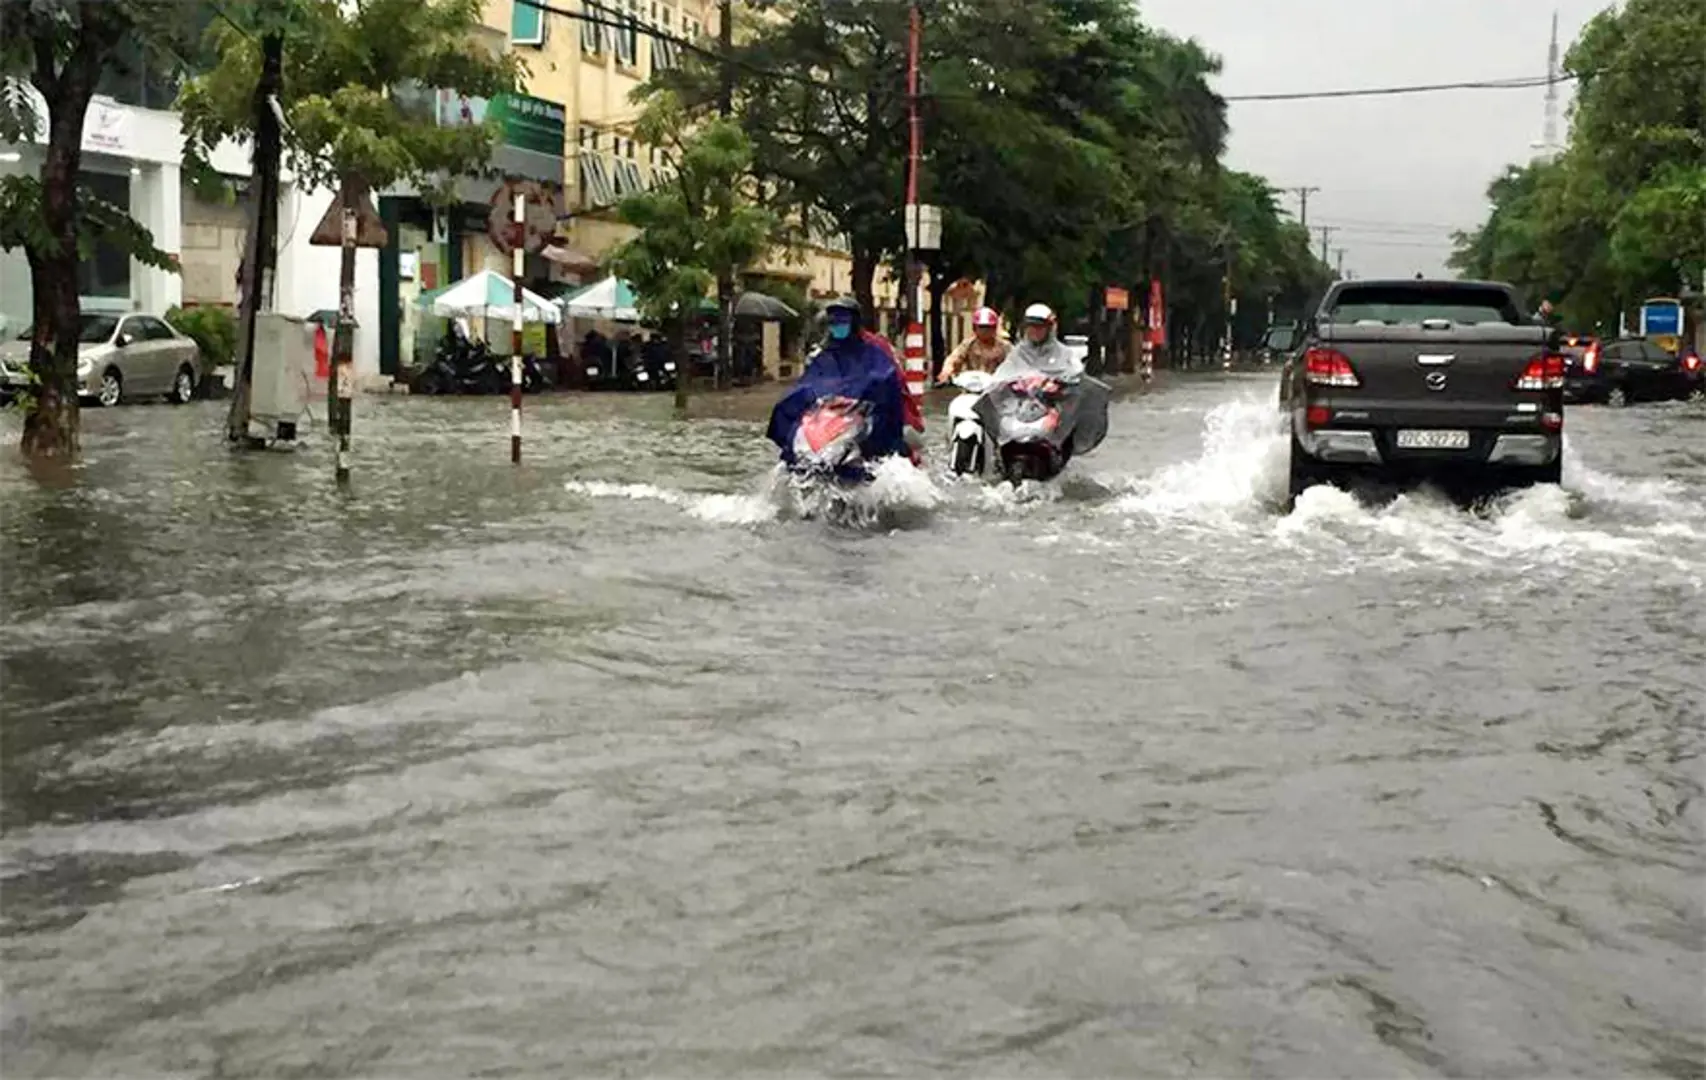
{"x": 967, "y": 441}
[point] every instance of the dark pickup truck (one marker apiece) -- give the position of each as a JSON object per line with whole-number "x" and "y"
{"x": 1407, "y": 381}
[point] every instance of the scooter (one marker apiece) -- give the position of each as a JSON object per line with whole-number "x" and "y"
{"x": 461, "y": 367}
{"x": 1034, "y": 424}
{"x": 967, "y": 443}
{"x": 827, "y": 442}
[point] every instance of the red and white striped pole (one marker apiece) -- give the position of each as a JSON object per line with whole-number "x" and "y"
{"x": 519, "y": 265}
{"x": 916, "y": 368}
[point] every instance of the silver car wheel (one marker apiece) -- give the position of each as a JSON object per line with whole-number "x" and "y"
{"x": 112, "y": 389}
{"x": 183, "y": 387}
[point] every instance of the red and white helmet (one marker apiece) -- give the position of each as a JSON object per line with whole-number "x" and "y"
{"x": 985, "y": 317}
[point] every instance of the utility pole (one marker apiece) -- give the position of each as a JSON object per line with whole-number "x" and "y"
{"x": 261, "y": 259}
{"x": 1340, "y": 253}
{"x": 916, "y": 127}
{"x": 340, "y": 388}
{"x": 1327, "y": 232}
{"x": 725, "y": 279}
{"x": 1303, "y": 194}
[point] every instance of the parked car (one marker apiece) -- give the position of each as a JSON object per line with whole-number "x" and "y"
{"x": 1400, "y": 381}
{"x": 119, "y": 358}
{"x": 1628, "y": 370}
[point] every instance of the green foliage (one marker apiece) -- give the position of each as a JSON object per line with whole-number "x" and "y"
{"x": 1621, "y": 214}
{"x": 1070, "y": 144}
{"x": 214, "y": 330}
{"x": 698, "y": 225}
{"x": 357, "y": 85}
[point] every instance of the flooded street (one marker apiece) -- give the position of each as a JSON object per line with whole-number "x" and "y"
{"x": 608, "y": 765}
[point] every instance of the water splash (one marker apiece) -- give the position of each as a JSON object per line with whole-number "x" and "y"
{"x": 1238, "y": 477}
{"x": 718, "y": 509}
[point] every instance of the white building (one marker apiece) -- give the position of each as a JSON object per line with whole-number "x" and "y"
{"x": 133, "y": 156}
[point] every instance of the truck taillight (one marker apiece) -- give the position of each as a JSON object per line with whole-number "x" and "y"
{"x": 1324, "y": 367}
{"x": 1590, "y": 362}
{"x": 1691, "y": 363}
{"x": 1544, "y": 373}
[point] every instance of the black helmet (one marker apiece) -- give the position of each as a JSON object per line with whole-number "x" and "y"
{"x": 844, "y": 303}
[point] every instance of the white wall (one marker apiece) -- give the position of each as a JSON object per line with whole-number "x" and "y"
{"x": 308, "y": 275}
{"x": 149, "y": 144}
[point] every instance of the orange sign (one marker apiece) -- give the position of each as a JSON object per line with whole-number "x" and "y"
{"x": 1117, "y": 299}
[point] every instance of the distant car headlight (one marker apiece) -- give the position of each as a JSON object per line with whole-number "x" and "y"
{"x": 670, "y": 366}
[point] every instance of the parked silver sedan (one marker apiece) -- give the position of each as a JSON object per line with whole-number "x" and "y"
{"x": 119, "y": 358}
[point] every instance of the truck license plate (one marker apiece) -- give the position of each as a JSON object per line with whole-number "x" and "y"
{"x": 1433, "y": 440}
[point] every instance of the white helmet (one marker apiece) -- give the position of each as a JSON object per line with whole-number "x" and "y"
{"x": 1039, "y": 313}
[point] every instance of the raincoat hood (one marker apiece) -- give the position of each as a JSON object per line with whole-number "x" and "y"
{"x": 1049, "y": 358}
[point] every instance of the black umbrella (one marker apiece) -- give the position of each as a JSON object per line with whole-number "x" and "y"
{"x": 759, "y": 306}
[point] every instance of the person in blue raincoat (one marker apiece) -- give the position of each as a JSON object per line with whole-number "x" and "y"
{"x": 848, "y": 365}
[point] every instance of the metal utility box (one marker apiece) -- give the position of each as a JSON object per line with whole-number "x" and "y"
{"x": 283, "y": 372}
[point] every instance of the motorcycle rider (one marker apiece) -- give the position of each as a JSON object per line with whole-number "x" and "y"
{"x": 1039, "y": 351}
{"x": 912, "y": 409}
{"x": 851, "y": 362}
{"x": 983, "y": 351}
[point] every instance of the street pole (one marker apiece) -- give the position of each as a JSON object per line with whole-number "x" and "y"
{"x": 916, "y": 127}
{"x": 1339, "y": 253}
{"x": 725, "y": 278}
{"x": 1327, "y": 232}
{"x": 340, "y": 384}
{"x": 518, "y": 263}
{"x": 1303, "y": 194}
{"x": 262, "y": 256}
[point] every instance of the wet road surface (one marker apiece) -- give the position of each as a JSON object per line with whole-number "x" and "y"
{"x": 610, "y": 765}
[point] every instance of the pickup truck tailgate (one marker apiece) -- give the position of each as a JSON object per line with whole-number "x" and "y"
{"x": 1451, "y": 374}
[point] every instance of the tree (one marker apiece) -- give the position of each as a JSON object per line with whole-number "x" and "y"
{"x": 1621, "y": 214}
{"x": 59, "y": 49}
{"x": 357, "y": 94}
{"x": 693, "y": 229}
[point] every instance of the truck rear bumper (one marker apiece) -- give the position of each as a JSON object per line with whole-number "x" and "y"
{"x": 1377, "y": 447}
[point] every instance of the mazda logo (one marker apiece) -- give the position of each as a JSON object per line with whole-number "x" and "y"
{"x": 1436, "y": 380}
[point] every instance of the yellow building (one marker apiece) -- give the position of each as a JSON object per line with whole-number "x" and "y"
{"x": 592, "y": 71}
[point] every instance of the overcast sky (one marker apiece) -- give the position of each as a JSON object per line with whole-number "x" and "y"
{"x": 1396, "y": 174}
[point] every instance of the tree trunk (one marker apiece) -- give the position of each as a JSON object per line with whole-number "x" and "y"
{"x": 261, "y": 258}
{"x": 725, "y": 329}
{"x": 938, "y": 338}
{"x": 864, "y": 270}
{"x": 50, "y": 420}
{"x": 1093, "y": 312}
{"x": 676, "y": 330}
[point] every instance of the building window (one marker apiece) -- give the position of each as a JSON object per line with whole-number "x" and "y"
{"x": 592, "y": 33}
{"x": 106, "y": 275}
{"x": 628, "y": 37}
{"x": 526, "y": 24}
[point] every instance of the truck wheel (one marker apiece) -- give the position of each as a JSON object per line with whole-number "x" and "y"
{"x": 1535, "y": 475}
{"x": 1617, "y": 397}
{"x": 1304, "y": 473}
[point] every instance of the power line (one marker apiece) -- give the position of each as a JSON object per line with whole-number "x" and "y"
{"x": 633, "y": 23}
{"x": 1524, "y": 83}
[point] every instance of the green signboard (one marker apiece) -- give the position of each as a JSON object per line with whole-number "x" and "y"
{"x": 529, "y": 123}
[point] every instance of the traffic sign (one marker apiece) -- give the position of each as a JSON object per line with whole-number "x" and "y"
{"x": 1661, "y": 316}
{"x": 540, "y": 211}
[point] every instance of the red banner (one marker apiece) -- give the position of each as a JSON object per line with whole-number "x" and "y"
{"x": 1157, "y": 320}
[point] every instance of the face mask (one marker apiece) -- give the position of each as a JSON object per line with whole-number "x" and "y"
{"x": 840, "y": 331}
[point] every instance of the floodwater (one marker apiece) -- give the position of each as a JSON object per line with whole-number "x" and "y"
{"x": 610, "y": 764}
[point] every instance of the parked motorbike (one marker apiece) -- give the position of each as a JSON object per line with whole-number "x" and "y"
{"x": 1027, "y": 428}
{"x": 460, "y": 366}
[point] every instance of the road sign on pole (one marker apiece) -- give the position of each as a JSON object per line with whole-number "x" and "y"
{"x": 538, "y": 226}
